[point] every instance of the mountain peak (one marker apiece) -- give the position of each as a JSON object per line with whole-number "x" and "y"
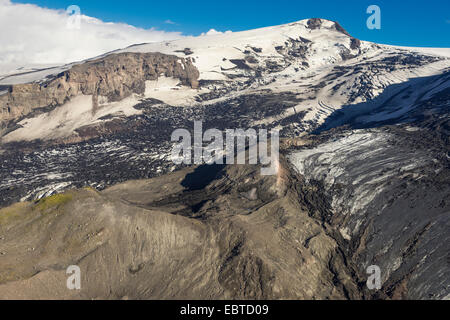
{"x": 320, "y": 23}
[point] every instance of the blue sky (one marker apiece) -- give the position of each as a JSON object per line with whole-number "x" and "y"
{"x": 409, "y": 23}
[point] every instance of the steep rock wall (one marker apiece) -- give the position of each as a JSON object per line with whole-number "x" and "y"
{"x": 116, "y": 77}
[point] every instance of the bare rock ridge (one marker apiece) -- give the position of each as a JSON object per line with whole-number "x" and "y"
{"x": 115, "y": 77}
{"x": 316, "y": 23}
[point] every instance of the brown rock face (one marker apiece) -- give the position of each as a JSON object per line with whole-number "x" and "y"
{"x": 355, "y": 44}
{"x": 116, "y": 77}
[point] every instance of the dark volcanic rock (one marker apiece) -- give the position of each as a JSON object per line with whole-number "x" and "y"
{"x": 355, "y": 44}
{"x": 341, "y": 29}
{"x": 314, "y": 23}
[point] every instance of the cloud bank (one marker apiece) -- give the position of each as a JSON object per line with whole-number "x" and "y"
{"x": 213, "y": 32}
{"x": 36, "y": 36}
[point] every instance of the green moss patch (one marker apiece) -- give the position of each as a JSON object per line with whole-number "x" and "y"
{"x": 53, "y": 202}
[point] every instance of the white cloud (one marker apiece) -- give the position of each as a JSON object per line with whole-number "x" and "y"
{"x": 31, "y": 35}
{"x": 168, "y": 21}
{"x": 213, "y": 32}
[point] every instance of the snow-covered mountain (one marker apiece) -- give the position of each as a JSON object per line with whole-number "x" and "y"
{"x": 315, "y": 60}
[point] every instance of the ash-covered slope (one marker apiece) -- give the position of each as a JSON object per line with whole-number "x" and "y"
{"x": 206, "y": 233}
{"x": 341, "y": 202}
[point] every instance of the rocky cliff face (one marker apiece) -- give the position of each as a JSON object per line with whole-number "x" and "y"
{"x": 116, "y": 77}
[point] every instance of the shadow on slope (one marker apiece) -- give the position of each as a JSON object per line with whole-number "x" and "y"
{"x": 398, "y": 103}
{"x": 202, "y": 176}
